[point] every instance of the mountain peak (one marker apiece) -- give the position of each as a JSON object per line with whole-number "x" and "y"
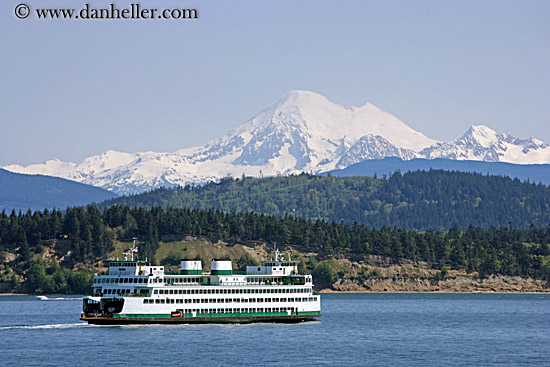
{"x": 484, "y": 144}
{"x": 301, "y": 93}
{"x": 300, "y": 99}
{"x": 484, "y": 135}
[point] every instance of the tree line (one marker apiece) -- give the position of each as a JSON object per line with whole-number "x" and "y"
{"x": 89, "y": 233}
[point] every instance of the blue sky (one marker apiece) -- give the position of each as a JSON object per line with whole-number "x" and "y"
{"x": 71, "y": 89}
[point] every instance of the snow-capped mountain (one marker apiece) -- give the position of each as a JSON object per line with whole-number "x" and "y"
{"x": 481, "y": 143}
{"x": 373, "y": 147}
{"x": 302, "y": 131}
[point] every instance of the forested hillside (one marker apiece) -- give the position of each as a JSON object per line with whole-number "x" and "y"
{"x": 36, "y": 192}
{"x": 534, "y": 172}
{"x": 80, "y": 236}
{"x": 418, "y": 200}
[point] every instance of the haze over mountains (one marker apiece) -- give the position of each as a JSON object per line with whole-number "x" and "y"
{"x": 302, "y": 131}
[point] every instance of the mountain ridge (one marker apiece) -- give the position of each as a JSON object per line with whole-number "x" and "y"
{"x": 300, "y": 132}
{"x": 36, "y": 192}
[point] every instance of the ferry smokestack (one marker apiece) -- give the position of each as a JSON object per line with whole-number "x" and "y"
{"x": 191, "y": 267}
{"x": 221, "y": 267}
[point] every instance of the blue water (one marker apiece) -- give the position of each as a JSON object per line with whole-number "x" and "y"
{"x": 365, "y": 329}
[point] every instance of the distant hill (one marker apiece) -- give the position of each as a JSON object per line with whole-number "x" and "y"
{"x": 417, "y": 200}
{"x": 533, "y": 172}
{"x": 36, "y": 192}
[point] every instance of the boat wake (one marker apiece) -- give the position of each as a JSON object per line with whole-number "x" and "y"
{"x": 50, "y": 326}
{"x": 45, "y": 298}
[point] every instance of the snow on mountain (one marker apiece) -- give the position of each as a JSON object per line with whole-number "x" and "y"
{"x": 302, "y": 131}
{"x": 373, "y": 147}
{"x": 481, "y": 143}
{"x": 310, "y": 129}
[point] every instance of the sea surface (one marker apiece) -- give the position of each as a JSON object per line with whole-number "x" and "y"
{"x": 355, "y": 330}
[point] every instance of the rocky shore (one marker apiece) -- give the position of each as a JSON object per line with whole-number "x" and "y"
{"x": 376, "y": 275}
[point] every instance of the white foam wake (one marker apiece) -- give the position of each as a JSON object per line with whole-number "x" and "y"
{"x": 50, "y": 326}
{"x": 45, "y": 298}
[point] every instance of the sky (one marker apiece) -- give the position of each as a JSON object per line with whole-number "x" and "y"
{"x": 74, "y": 88}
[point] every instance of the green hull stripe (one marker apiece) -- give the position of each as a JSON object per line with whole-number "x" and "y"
{"x": 229, "y": 314}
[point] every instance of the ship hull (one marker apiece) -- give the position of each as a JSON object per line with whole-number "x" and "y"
{"x": 287, "y": 319}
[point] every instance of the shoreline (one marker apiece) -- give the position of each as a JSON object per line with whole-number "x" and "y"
{"x": 426, "y": 292}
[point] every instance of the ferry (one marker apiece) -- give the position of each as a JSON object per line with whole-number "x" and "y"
{"x": 136, "y": 292}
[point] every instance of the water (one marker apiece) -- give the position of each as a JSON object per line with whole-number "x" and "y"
{"x": 356, "y": 329}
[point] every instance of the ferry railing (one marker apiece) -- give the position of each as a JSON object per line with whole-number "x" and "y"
{"x": 231, "y": 284}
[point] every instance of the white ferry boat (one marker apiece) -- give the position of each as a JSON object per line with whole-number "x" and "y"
{"x": 135, "y": 292}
